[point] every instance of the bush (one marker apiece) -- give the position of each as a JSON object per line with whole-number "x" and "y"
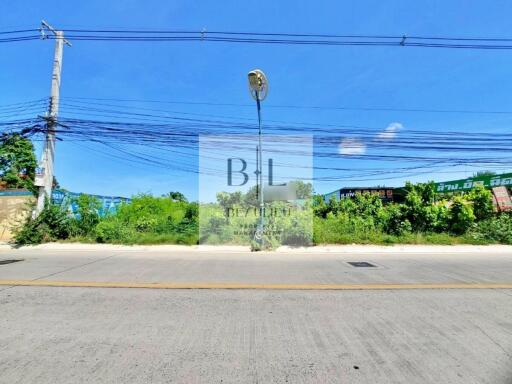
{"x": 112, "y": 231}
{"x": 461, "y": 216}
{"x": 395, "y": 221}
{"x": 52, "y": 224}
{"x": 87, "y": 215}
{"x": 482, "y": 202}
{"x": 497, "y": 229}
{"x": 366, "y": 205}
{"x": 149, "y": 219}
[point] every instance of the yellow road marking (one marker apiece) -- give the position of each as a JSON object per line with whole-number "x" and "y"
{"x": 192, "y": 285}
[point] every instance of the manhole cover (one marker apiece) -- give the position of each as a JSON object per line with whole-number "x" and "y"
{"x": 9, "y": 261}
{"x": 361, "y": 264}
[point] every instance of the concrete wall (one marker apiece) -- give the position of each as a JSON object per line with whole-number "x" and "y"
{"x": 13, "y": 209}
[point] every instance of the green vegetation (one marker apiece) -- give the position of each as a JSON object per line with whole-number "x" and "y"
{"x": 146, "y": 220}
{"x": 421, "y": 219}
{"x": 52, "y": 224}
{"x": 233, "y": 219}
{"x": 150, "y": 220}
{"x": 17, "y": 162}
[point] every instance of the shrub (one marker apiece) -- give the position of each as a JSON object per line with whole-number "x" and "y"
{"x": 150, "y": 219}
{"x": 112, "y": 231}
{"x": 395, "y": 221}
{"x": 87, "y": 215}
{"x": 52, "y": 224}
{"x": 482, "y": 202}
{"x": 367, "y": 205}
{"x": 320, "y": 208}
{"x": 461, "y": 216}
{"x": 497, "y": 229}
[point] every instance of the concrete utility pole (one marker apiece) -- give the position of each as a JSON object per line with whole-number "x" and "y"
{"x": 44, "y": 178}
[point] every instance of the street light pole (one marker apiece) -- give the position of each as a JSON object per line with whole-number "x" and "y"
{"x": 258, "y": 86}
{"x": 260, "y": 173}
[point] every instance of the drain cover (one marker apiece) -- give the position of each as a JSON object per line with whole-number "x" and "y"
{"x": 361, "y": 264}
{"x": 9, "y": 261}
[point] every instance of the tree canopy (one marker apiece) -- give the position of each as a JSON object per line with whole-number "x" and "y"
{"x": 17, "y": 162}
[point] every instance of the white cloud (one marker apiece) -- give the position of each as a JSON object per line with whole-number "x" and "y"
{"x": 390, "y": 132}
{"x": 351, "y": 146}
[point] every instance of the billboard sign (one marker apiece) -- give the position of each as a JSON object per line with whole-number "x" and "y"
{"x": 504, "y": 179}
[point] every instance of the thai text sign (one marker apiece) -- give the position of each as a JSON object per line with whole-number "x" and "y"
{"x": 504, "y": 179}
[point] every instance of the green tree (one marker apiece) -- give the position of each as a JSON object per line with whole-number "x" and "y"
{"x": 482, "y": 202}
{"x": 419, "y": 209}
{"x": 304, "y": 190}
{"x": 17, "y": 162}
{"x": 88, "y": 216}
{"x": 366, "y": 205}
{"x": 320, "y": 208}
{"x": 177, "y": 196}
{"x": 426, "y": 191}
{"x": 395, "y": 220}
{"x": 484, "y": 173}
{"x": 229, "y": 200}
{"x": 251, "y": 197}
{"x": 461, "y": 215}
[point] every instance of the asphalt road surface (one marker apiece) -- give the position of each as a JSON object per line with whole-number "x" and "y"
{"x": 117, "y": 316}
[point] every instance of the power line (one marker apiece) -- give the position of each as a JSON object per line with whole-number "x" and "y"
{"x": 18, "y": 31}
{"x": 151, "y": 145}
{"x": 220, "y": 120}
{"x": 290, "y": 106}
{"x": 138, "y": 35}
{"x": 180, "y": 139}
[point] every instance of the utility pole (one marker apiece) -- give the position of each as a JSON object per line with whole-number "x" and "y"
{"x": 44, "y": 178}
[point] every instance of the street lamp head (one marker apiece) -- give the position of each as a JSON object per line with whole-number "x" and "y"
{"x": 258, "y": 84}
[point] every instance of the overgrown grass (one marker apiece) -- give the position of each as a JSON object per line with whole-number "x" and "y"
{"x": 339, "y": 231}
{"x": 139, "y": 239}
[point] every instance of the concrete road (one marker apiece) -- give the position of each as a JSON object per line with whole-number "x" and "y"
{"x": 52, "y": 334}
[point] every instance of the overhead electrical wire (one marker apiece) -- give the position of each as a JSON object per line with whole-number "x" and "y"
{"x": 160, "y": 137}
{"x": 220, "y": 122}
{"x": 166, "y": 139}
{"x": 277, "y": 106}
{"x": 166, "y": 116}
{"x": 139, "y": 35}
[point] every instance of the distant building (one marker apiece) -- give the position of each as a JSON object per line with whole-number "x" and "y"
{"x": 386, "y": 194}
{"x": 390, "y": 194}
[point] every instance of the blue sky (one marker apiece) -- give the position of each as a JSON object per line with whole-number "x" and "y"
{"x": 299, "y": 75}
